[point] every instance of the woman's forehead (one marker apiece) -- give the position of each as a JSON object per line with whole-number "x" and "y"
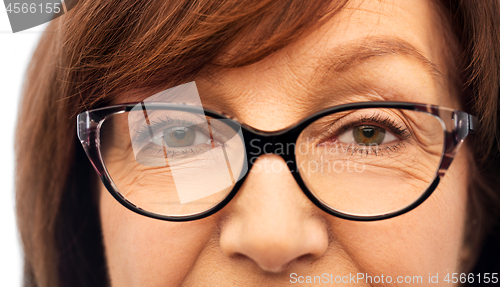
{"x": 370, "y": 51}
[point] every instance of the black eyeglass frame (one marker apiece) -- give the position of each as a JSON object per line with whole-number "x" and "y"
{"x": 456, "y": 126}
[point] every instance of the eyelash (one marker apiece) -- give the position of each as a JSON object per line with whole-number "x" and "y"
{"x": 385, "y": 122}
{"x": 380, "y": 121}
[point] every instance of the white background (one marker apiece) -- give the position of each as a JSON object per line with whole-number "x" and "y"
{"x": 15, "y": 52}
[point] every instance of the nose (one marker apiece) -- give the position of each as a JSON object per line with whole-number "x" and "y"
{"x": 271, "y": 222}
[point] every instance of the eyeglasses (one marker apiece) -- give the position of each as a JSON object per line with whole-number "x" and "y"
{"x": 361, "y": 161}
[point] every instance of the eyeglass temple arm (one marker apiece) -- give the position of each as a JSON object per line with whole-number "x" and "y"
{"x": 465, "y": 124}
{"x": 87, "y": 134}
{"x": 472, "y": 124}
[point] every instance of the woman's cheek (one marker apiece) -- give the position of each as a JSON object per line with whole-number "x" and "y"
{"x": 427, "y": 240}
{"x": 142, "y": 251}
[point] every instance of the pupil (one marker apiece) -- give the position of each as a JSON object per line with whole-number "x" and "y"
{"x": 368, "y": 132}
{"x": 179, "y": 134}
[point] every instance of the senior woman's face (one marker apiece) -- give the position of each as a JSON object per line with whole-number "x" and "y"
{"x": 271, "y": 233}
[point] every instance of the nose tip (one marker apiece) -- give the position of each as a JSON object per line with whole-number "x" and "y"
{"x": 276, "y": 249}
{"x": 273, "y": 257}
{"x": 271, "y": 222}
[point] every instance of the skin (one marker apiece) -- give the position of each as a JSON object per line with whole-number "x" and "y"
{"x": 271, "y": 229}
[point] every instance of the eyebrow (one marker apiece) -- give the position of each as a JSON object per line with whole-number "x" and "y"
{"x": 352, "y": 54}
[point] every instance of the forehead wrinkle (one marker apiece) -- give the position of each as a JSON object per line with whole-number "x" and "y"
{"x": 352, "y": 54}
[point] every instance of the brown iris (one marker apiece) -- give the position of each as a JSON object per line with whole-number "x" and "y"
{"x": 179, "y": 136}
{"x": 368, "y": 135}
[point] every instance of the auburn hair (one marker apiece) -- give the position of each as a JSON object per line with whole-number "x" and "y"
{"x": 101, "y": 49}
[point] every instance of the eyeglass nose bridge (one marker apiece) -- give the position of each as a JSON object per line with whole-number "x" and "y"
{"x": 280, "y": 143}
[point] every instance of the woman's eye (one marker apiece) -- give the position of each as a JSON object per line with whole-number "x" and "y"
{"x": 366, "y": 135}
{"x": 181, "y": 136}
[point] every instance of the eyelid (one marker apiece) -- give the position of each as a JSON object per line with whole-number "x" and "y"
{"x": 344, "y": 123}
{"x": 148, "y": 128}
